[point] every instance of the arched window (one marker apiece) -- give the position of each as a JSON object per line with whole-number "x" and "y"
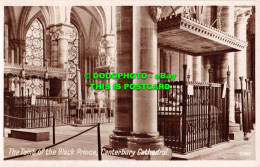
{"x": 73, "y": 61}
{"x": 34, "y": 44}
{"x": 34, "y": 56}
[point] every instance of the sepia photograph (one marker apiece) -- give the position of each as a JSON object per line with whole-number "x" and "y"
{"x": 91, "y": 83}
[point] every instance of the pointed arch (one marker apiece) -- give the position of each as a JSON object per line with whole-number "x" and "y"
{"x": 9, "y": 10}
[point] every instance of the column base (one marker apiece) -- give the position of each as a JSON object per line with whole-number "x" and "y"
{"x": 235, "y": 133}
{"x": 149, "y": 147}
{"x": 118, "y": 139}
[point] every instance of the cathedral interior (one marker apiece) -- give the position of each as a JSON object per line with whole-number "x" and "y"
{"x": 211, "y": 49}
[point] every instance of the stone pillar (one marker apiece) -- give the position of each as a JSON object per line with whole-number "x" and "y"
{"x": 79, "y": 88}
{"x": 241, "y": 17}
{"x": 207, "y": 64}
{"x": 17, "y": 87}
{"x": 53, "y": 47}
{"x": 167, "y": 61}
{"x": 54, "y": 53}
{"x": 207, "y": 15}
{"x": 222, "y": 62}
{"x": 22, "y": 87}
{"x": 145, "y": 132}
{"x": 6, "y": 42}
{"x": 22, "y": 51}
{"x": 174, "y": 64}
{"x": 64, "y": 87}
{"x": 11, "y": 84}
{"x": 196, "y": 68}
{"x": 60, "y": 35}
{"x": 63, "y": 39}
{"x": 12, "y": 55}
{"x": 181, "y": 61}
{"x": 110, "y": 53}
{"x": 211, "y": 78}
{"x": 123, "y": 98}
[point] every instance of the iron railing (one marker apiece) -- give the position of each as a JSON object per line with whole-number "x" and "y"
{"x": 244, "y": 107}
{"x": 193, "y": 115}
{"x": 41, "y": 112}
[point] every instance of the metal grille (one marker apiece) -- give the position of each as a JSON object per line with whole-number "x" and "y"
{"x": 244, "y": 109}
{"x": 192, "y": 116}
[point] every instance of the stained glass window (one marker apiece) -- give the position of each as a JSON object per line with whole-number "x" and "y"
{"x": 73, "y": 62}
{"x": 34, "y": 56}
{"x": 34, "y": 44}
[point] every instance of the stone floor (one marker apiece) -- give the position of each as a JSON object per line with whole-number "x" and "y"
{"x": 70, "y": 150}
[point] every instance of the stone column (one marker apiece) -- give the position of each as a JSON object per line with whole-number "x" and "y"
{"x": 167, "y": 61}
{"x": 22, "y": 87}
{"x": 207, "y": 16}
{"x": 145, "y": 132}
{"x": 53, "y": 36}
{"x": 110, "y": 53}
{"x": 6, "y": 42}
{"x": 174, "y": 64}
{"x": 241, "y": 17}
{"x": 64, "y": 87}
{"x": 63, "y": 39}
{"x": 61, "y": 33}
{"x": 11, "y": 84}
{"x": 54, "y": 53}
{"x": 196, "y": 68}
{"x": 123, "y": 98}
{"x": 181, "y": 61}
{"x": 12, "y": 54}
{"x": 22, "y": 51}
{"x": 225, "y": 61}
{"x": 79, "y": 88}
{"x": 17, "y": 87}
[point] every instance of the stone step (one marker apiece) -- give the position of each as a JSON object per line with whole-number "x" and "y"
{"x": 30, "y": 135}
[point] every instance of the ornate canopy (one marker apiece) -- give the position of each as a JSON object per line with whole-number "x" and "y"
{"x": 190, "y": 36}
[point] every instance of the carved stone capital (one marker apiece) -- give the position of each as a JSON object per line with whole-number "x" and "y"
{"x": 52, "y": 33}
{"x": 107, "y": 41}
{"x": 60, "y": 31}
{"x": 102, "y": 46}
{"x": 242, "y": 14}
{"x": 251, "y": 25}
{"x": 110, "y": 40}
{"x": 164, "y": 52}
{"x": 64, "y": 31}
{"x": 155, "y": 12}
{"x": 105, "y": 54}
